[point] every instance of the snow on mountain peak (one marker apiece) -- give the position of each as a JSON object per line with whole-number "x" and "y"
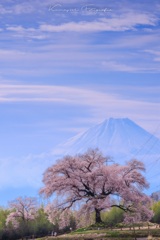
{"x": 117, "y": 137}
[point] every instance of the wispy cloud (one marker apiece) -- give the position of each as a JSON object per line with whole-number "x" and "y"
{"x": 115, "y": 66}
{"x": 23, "y": 8}
{"x": 20, "y": 29}
{"x": 74, "y": 96}
{"x": 117, "y": 23}
{"x": 29, "y": 33}
{"x": 44, "y": 93}
{"x": 70, "y": 57}
{"x": 155, "y": 54}
{"x": 4, "y": 10}
{"x": 20, "y": 8}
{"x": 124, "y": 22}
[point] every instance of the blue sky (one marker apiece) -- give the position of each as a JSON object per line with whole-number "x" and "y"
{"x": 65, "y": 67}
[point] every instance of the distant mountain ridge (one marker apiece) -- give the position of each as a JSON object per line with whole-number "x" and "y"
{"x": 156, "y": 196}
{"x": 120, "y": 138}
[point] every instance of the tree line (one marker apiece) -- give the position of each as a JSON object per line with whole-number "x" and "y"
{"x": 16, "y": 226}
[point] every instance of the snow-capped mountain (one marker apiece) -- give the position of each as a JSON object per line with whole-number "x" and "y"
{"x": 121, "y": 139}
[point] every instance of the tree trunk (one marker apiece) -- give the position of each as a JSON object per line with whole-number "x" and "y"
{"x": 134, "y": 230}
{"x": 98, "y": 216}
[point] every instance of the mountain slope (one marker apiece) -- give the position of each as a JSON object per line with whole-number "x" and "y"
{"x": 119, "y": 138}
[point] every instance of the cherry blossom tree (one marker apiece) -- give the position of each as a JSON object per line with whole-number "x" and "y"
{"x": 141, "y": 213}
{"x": 23, "y": 210}
{"x": 90, "y": 180}
{"x": 59, "y": 217}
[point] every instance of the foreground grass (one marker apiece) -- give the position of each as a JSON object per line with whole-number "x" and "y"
{"x": 122, "y": 232}
{"x": 86, "y": 234}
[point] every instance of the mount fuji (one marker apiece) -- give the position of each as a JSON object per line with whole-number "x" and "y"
{"x": 119, "y": 138}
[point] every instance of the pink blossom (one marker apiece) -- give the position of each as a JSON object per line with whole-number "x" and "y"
{"x": 87, "y": 179}
{"x": 22, "y": 209}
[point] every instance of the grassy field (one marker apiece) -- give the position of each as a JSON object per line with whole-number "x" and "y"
{"x": 104, "y": 234}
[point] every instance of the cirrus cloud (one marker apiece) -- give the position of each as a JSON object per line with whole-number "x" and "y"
{"x": 124, "y": 22}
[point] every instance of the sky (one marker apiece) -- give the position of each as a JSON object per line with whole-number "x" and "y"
{"x": 65, "y": 67}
